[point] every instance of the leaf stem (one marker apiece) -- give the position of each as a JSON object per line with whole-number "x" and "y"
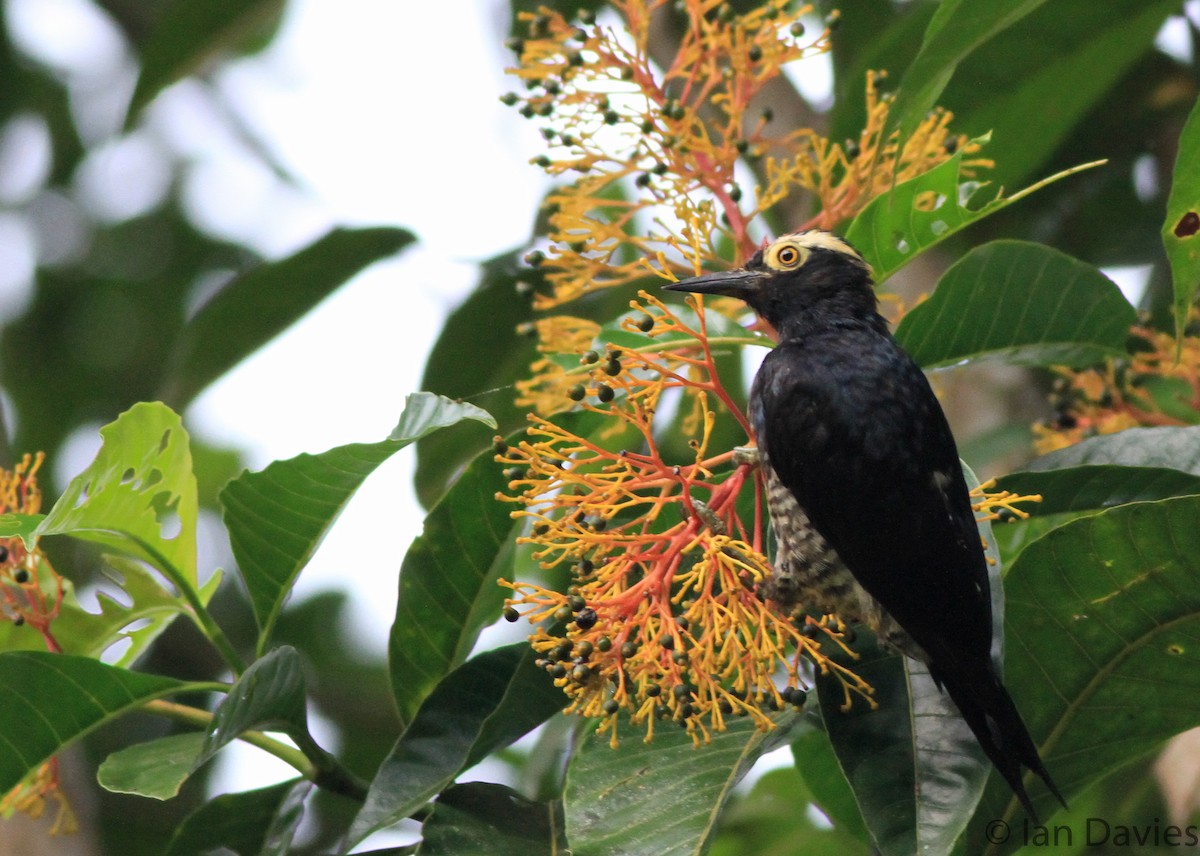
{"x": 310, "y": 760}
{"x": 199, "y": 718}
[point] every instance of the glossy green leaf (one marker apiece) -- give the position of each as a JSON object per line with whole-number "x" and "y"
{"x": 269, "y": 695}
{"x": 263, "y": 302}
{"x": 480, "y": 817}
{"x": 913, "y": 763}
{"x": 155, "y": 769}
{"x": 138, "y": 496}
{"x": 660, "y": 798}
{"x": 478, "y": 355}
{"x": 278, "y": 517}
{"x": 1062, "y": 54}
{"x": 900, "y": 224}
{"x": 958, "y": 27}
{"x": 251, "y": 823}
{"x": 48, "y": 701}
{"x": 1103, "y": 627}
{"x": 774, "y": 818}
{"x": 1018, "y": 303}
{"x": 817, "y": 765}
{"x": 190, "y": 34}
{"x": 914, "y": 766}
{"x": 1135, "y": 465}
{"x": 483, "y": 705}
{"x": 448, "y": 586}
{"x": 1181, "y": 229}
{"x": 23, "y": 526}
{"x": 884, "y": 39}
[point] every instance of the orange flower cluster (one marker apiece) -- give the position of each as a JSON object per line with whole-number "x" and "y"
{"x": 662, "y": 619}
{"x": 682, "y": 135}
{"x": 31, "y": 594}
{"x": 1159, "y": 384}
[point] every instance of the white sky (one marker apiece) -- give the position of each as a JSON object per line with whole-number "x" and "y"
{"x": 385, "y": 121}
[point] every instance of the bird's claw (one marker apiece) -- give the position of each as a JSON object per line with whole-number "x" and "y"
{"x": 748, "y": 455}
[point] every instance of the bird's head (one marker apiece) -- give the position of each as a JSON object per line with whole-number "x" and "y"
{"x": 797, "y": 280}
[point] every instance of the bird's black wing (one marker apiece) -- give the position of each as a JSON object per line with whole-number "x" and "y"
{"x": 853, "y": 430}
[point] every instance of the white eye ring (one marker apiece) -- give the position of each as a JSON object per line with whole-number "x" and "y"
{"x": 790, "y": 256}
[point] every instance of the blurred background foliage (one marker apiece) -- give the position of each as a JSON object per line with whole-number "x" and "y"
{"x": 100, "y": 291}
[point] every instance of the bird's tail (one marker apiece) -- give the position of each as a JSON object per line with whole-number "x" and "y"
{"x": 989, "y": 710}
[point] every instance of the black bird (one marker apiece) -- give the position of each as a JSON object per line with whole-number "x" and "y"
{"x": 864, "y": 484}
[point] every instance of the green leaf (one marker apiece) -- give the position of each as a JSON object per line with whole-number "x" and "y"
{"x": 773, "y": 818}
{"x": 144, "y": 611}
{"x": 483, "y": 705}
{"x": 48, "y": 701}
{"x": 1062, "y": 54}
{"x": 480, "y": 817}
{"x": 23, "y": 526}
{"x": 260, "y": 304}
{"x": 664, "y": 797}
{"x": 189, "y": 34}
{"x": 913, "y": 763}
{"x": 1102, "y": 625}
{"x": 448, "y": 583}
{"x": 914, "y": 766}
{"x": 1182, "y": 226}
{"x": 897, "y": 226}
{"x": 155, "y": 769}
{"x": 138, "y": 496}
{"x": 958, "y": 27}
{"x": 478, "y": 355}
{"x": 1018, "y": 303}
{"x": 269, "y": 695}
{"x": 278, "y": 517}
{"x": 817, "y": 764}
{"x": 251, "y": 823}
{"x": 1135, "y": 465}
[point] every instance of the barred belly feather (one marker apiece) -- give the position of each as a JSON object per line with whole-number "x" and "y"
{"x": 809, "y": 575}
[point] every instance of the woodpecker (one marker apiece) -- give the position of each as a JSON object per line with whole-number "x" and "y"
{"x": 864, "y": 486}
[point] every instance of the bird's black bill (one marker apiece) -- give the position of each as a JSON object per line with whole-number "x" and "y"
{"x": 731, "y": 283}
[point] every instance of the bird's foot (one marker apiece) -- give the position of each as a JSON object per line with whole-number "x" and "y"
{"x": 748, "y": 455}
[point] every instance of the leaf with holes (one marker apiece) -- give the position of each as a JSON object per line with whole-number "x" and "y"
{"x": 133, "y": 620}
{"x": 278, "y": 517}
{"x": 897, "y": 226}
{"x": 1103, "y": 628}
{"x": 1181, "y": 231}
{"x": 138, "y": 497}
{"x": 1019, "y": 303}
